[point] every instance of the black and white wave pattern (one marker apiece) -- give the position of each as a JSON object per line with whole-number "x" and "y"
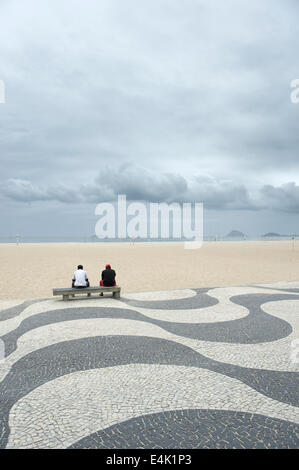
{"x": 194, "y": 368}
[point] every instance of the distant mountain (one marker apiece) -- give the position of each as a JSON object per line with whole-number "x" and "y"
{"x": 236, "y": 234}
{"x": 272, "y": 234}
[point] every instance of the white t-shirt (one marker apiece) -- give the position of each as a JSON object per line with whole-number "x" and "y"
{"x": 80, "y": 278}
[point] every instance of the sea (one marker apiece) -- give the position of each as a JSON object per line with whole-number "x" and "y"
{"x": 18, "y": 239}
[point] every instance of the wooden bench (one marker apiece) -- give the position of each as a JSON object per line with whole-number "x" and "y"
{"x": 66, "y": 293}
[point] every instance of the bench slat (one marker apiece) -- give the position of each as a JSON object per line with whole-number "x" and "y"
{"x": 66, "y": 292}
{"x": 86, "y": 289}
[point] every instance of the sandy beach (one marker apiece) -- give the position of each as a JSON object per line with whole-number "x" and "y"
{"x": 32, "y": 270}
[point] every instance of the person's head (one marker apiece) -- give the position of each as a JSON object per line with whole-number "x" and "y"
{"x": 108, "y": 266}
{"x": 80, "y": 266}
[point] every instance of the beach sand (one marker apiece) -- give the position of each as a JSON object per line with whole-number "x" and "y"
{"x": 31, "y": 270}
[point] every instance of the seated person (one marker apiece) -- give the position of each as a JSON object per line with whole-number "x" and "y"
{"x": 80, "y": 278}
{"x": 108, "y": 277}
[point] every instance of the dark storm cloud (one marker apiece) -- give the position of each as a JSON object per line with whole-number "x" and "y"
{"x": 139, "y": 183}
{"x": 284, "y": 198}
{"x": 25, "y": 191}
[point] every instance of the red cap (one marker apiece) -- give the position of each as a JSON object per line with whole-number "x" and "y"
{"x": 108, "y": 266}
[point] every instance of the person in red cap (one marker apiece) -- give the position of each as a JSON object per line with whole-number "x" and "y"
{"x": 108, "y": 277}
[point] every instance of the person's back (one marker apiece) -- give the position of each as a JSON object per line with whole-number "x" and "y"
{"x": 80, "y": 278}
{"x": 108, "y": 276}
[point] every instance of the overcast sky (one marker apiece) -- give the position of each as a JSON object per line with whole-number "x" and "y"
{"x": 161, "y": 100}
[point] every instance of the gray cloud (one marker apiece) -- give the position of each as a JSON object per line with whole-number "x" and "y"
{"x": 139, "y": 183}
{"x": 284, "y": 198}
{"x": 25, "y": 191}
{"x": 22, "y": 191}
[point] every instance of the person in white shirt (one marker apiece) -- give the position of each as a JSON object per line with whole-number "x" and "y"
{"x": 80, "y": 278}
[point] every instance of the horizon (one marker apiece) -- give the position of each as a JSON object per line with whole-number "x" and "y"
{"x": 162, "y": 102}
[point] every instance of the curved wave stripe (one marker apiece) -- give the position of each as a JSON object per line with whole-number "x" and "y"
{"x": 256, "y": 327}
{"x": 232, "y": 291}
{"x": 8, "y": 304}
{"x": 281, "y": 285}
{"x": 67, "y": 314}
{"x": 185, "y": 330}
{"x": 273, "y": 355}
{"x": 224, "y": 310}
{"x": 160, "y": 295}
{"x": 56, "y": 304}
{"x": 73, "y": 329}
{"x": 74, "y": 406}
{"x": 64, "y": 315}
{"x": 45, "y": 365}
{"x": 204, "y": 298}
{"x": 201, "y": 299}
{"x": 195, "y": 429}
{"x": 55, "y": 342}
{"x": 11, "y": 309}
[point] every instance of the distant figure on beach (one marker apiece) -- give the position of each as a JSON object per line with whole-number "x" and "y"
{"x": 108, "y": 277}
{"x": 80, "y": 278}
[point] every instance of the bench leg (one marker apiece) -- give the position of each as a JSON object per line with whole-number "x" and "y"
{"x": 116, "y": 295}
{"x": 65, "y": 297}
{"x": 89, "y": 294}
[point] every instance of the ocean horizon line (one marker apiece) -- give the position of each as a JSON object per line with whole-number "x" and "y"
{"x": 83, "y": 239}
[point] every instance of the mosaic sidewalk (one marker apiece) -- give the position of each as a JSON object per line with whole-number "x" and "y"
{"x": 193, "y": 368}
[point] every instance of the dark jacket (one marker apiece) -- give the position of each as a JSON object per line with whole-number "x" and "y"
{"x": 108, "y": 277}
